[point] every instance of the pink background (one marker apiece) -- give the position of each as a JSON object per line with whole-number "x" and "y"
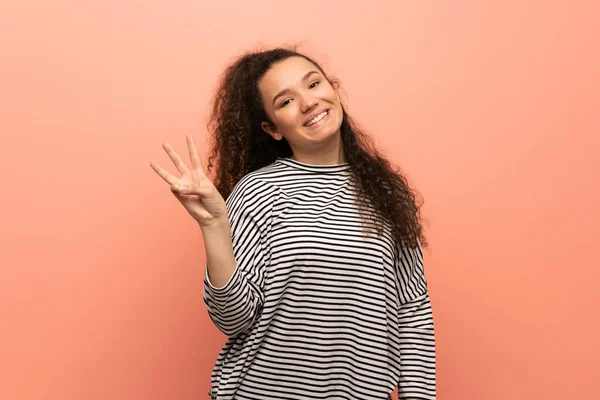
{"x": 492, "y": 109}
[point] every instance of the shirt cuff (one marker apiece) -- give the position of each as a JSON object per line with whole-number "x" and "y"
{"x": 227, "y": 286}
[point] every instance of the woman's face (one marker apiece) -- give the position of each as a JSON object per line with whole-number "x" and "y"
{"x": 301, "y": 104}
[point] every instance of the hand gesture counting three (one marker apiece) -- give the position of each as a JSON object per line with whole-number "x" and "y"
{"x": 193, "y": 188}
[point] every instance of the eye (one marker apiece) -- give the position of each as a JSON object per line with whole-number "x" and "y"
{"x": 312, "y": 85}
{"x": 285, "y": 103}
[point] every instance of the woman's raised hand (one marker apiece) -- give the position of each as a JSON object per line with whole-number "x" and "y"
{"x": 193, "y": 188}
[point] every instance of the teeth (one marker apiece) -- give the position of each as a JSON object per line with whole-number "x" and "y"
{"x": 316, "y": 119}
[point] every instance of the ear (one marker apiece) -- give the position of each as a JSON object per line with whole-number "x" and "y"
{"x": 270, "y": 129}
{"x": 336, "y": 86}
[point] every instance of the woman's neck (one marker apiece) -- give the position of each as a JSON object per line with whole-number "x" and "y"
{"x": 331, "y": 156}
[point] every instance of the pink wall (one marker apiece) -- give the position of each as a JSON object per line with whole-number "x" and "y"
{"x": 492, "y": 109}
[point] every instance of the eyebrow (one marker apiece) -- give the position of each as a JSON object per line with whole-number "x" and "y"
{"x": 284, "y": 91}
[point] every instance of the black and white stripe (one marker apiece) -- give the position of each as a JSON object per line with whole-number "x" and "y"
{"x": 315, "y": 309}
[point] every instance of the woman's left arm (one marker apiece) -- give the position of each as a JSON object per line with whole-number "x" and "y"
{"x": 417, "y": 351}
{"x": 416, "y": 329}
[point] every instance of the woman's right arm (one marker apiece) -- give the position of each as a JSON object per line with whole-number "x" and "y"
{"x": 233, "y": 242}
{"x": 219, "y": 253}
{"x": 234, "y": 280}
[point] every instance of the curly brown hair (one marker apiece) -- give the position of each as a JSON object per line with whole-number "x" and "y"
{"x": 242, "y": 146}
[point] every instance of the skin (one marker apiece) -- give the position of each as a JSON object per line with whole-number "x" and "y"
{"x": 292, "y": 92}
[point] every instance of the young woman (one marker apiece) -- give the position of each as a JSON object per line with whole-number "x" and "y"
{"x": 314, "y": 263}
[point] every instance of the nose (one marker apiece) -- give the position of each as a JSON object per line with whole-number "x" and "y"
{"x": 308, "y": 102}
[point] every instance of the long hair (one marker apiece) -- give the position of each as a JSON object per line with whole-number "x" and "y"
{"x": 242, "y": 146}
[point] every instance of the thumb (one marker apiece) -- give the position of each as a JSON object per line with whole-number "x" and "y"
{"x": 189, "y": 189}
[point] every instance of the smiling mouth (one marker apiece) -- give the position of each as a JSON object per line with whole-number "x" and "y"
{"x": 317, "y": 118}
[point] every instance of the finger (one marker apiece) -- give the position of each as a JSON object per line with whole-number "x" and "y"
{"x": 179, "y": 196}
{"x": 170, "y": 179}
{"x": 198, "y": 190}
{"x": 179, "y": 164}
{"x": 176, "y": 194}
{"x": 194, "y": 156}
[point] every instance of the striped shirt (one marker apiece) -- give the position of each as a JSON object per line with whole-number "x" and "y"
{"x": 315, "y": 309}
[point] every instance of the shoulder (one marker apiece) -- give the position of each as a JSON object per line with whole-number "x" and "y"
{"x": 256, "y": 187}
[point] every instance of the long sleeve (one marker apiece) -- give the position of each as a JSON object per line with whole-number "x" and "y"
{"x": 416, "y": 328}
{"x": 234, "y": 307}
